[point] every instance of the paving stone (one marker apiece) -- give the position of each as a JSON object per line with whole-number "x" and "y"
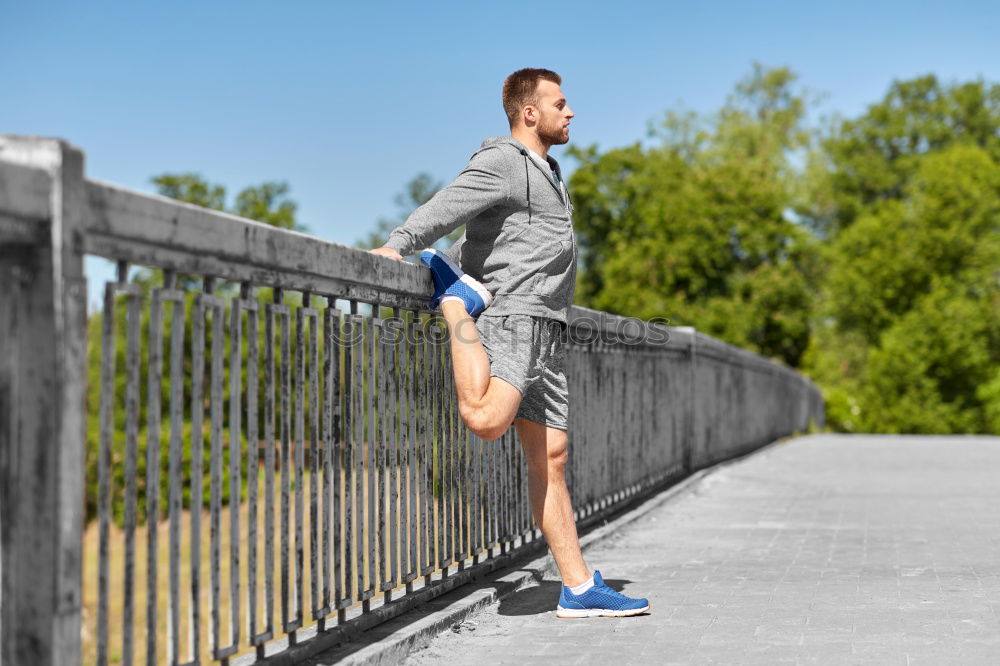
{"x": 820, "y": 550}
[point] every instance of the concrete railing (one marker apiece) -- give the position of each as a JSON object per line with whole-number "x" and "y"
{"x": 281, "y": 409}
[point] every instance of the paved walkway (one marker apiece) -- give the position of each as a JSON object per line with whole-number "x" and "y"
{"x": 824, "y": 549}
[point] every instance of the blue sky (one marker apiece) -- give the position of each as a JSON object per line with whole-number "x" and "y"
{"x": 348, "y": 101}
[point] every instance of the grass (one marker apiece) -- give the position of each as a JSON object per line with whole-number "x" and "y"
{"x": 117, "y": 573}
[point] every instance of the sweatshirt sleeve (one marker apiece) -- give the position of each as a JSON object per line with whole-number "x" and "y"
{"x": 479, "y": 187}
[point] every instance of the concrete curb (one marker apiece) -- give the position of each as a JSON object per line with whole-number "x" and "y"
{"x": 393, "y": 641}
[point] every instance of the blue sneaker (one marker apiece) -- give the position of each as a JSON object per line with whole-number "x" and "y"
{"x": 449, "y": 280}
{"x": 600, "y": 600}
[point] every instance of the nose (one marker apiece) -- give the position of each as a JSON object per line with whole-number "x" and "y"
{"x": 569, "y": 112}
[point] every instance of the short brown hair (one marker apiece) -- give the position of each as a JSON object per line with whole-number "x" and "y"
{"x": 519, "y": 89}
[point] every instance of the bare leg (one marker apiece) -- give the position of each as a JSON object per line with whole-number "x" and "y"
{"x": 487, "y": 404}
{"x": 546, "y": 450}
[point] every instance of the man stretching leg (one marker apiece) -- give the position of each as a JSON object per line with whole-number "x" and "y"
{"x": 516, "y": 265}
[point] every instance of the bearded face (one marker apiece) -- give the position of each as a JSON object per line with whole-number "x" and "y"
{"x": 553, "y": 127}
{"x": 553, "y": 114}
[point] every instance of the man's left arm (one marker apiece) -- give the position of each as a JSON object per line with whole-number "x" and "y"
{"x": 479, "y": 187}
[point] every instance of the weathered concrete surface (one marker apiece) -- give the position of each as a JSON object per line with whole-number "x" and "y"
{"x": 824, "y": 549}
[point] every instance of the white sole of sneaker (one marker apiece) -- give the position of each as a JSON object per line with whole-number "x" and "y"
{"x": 479, "y": 289}
{"x": 475, "y": 284}
{"x": 597, "y": 612}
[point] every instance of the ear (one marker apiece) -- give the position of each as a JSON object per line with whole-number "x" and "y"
{"x": 530, "y": 114}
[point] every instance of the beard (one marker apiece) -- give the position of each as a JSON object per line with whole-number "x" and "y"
{"x": 552, "y": 134}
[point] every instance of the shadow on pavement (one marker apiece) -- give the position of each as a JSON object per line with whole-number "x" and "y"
{"x": 532, "y": 600}
{"x": 542, "y": 597}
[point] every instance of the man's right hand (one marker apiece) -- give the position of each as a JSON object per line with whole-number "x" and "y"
{"x": 387, "y": 252}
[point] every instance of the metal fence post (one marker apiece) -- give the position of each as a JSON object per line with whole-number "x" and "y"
{"x": 42, "y": 403}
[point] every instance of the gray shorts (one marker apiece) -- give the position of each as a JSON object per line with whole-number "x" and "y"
{"x": 530, "y": 354}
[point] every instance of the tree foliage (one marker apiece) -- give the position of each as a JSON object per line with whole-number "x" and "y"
{"x": 867, "y": 254}
{"x": 268, "y": 202}
{"x": 190, "y": 188}
{"x": 870, "y": 159}
{"x": 916, "y": 282}
{"x": 415, "y": 193}
{"x": 696, "y": 227}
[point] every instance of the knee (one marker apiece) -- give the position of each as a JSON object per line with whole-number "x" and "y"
{"x": 481, "y": 423}
{"x": 550, "y": 463}
{"x": 557, "y": 457}
{"x": 488, "y": 430}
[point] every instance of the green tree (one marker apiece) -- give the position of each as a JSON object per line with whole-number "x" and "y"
{"x": 415, "y": 193}
{"x": 267, "y": 202}
{"x": 697, "y": 227}
{"x": 190, "y": 188}
{"x": 870, "y": 159}
{"x": 915, "y": 281}
{"x": 925, "y": 374}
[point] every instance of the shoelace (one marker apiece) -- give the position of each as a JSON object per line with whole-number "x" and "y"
{"x": 603, "y": 587}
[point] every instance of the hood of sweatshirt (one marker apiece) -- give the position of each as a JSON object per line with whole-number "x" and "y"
{"x": 491, "y": 141}
{"x": 498, "y": 140}
{"x": 554, "y": 168}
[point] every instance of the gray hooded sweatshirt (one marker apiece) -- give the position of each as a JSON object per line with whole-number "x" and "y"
{"x": 518, "y": 238}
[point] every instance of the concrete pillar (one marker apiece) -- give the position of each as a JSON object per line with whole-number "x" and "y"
{"x": 42, "y": 400}
{"x": 692, "y": 406}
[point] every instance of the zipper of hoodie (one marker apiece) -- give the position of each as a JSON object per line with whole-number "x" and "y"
{"x": 563, "y": 190}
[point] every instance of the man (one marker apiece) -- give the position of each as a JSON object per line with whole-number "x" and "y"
{"x": 516, "y": 264}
